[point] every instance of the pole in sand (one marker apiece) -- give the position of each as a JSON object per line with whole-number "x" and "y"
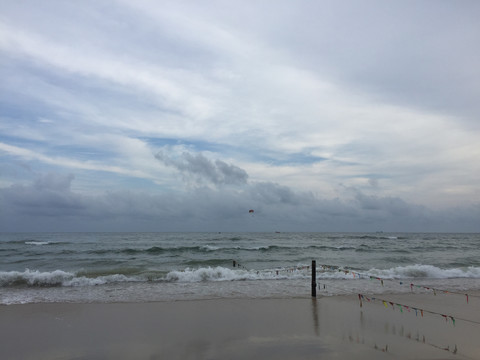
{"x": 314, "y": 278}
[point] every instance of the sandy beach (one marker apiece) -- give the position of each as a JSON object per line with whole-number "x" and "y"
{"x": 326, "y": 327}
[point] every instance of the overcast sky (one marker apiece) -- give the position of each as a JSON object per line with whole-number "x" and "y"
{"x": 184, "y": 115}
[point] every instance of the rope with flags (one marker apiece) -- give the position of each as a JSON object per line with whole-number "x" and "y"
{"x": 401, "y": 307}
{"x": 359, "y": 275}
{"x": 409, "y": 308}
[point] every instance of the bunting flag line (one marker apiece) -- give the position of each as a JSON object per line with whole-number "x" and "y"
{"x": 277, "y": 271}
{"x": 439, "y": 290}
{"x": 292, "y": 269}
{"x": 409, "y": 308}
{"x": 359, "y": 275}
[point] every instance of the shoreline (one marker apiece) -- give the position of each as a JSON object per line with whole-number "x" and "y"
{"x": 328, "y": 327}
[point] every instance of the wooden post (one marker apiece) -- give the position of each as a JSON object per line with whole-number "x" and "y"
{"x": 314, "y": 278}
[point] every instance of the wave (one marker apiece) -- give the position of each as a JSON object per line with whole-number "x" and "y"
{"x": 156, "y": 250}
{"x": 224, "y": 274}
{"x": 403, "y": 272}
{"x": 206, "y": 249}
{"x": 366, "y": 249}
{"x": 35, "y": 242}
{"x": 208, "y": 274}
{"x": 57, "y": 278}
{"x": 426, "y": 271}
{"x": 382, "y": 249}
{"x": 36, "y": 278}
{"x": 376, "y": 237}
{"x": 208, "y": 262}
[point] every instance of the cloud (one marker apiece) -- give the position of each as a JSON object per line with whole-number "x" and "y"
{"x": 412, "y": 54}
{"x": 324, "y": 115}
{"x": 49, "y": 204}
{"x": 198, "y": 166}
{"x": 69, "y": 162}
{"x": 52, "y": 182}
{"x": 48, "y": 196}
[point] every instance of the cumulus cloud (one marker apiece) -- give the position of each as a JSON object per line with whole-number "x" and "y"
{"x": 201, "y": 168}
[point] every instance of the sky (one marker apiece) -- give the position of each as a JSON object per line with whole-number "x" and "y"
{"x": 327, "y": 116}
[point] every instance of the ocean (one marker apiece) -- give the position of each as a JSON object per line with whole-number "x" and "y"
{"x": 144, "y": 267}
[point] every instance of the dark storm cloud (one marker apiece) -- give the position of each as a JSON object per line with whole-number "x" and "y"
{"x": 48, "y": 204}
{"x": 271, "y": 193}
{"x": 200, "y": 167}
{"x": 388, "y": 205}
{"x": 49, "y": 195}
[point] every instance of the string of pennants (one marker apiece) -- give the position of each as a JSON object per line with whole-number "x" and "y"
{"x": 403, "y": 307}
{"x": 360, "y": 275}
{"x": 277, "y": 271}
{"x": 409, "y": 308}
{"x": 294, "y": 268}
{"x": 418, "y": 311}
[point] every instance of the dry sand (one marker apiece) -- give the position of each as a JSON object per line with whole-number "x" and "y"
{"x": 325, "y": 328}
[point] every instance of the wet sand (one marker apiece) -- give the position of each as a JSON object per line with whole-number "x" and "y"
{"x": 325, "y": 328}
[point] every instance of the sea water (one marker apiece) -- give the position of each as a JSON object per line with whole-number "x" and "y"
{"x": 139, "y": 267}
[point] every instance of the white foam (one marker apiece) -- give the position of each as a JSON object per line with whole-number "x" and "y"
{"x": 37, "y": 243}
{"x": 404, "y": 272}
{"x": 57, "y": 278}
{"x": 100, "y": 280}
{"x": 426, "y": 271}
{"x": 224, "y": 274}
{"x": 35, "y": 277}
{"x": 214, "y": 274}
{"x": 208, "y": 274}
{"x": 210, "y": 248}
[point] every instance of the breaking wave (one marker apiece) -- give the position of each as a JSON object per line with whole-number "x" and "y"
{"x": 427, "y": 271}
{"x": 37, "y": 243}
{"x": 56, "y": 278}
{"x": 36, "y": 278}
